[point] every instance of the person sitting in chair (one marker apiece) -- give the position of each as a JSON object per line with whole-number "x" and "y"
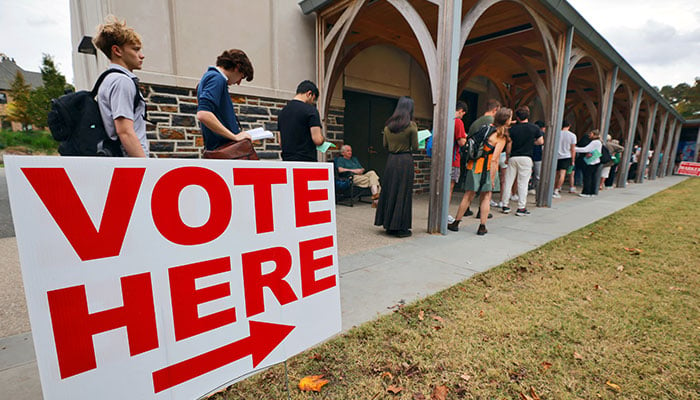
{"x": 349, "y": 165}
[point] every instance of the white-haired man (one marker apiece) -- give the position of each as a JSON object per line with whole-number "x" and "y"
{"x": 349, "y": 165}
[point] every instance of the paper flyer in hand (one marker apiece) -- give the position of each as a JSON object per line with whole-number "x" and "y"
{"x": 595, "y": 155}
{"x": 422, "y": 137}
{"x": 324, "y": 147}
{"x": 260, "y": 134}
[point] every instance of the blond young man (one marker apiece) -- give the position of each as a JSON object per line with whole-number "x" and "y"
{"x": 115, "y": 97}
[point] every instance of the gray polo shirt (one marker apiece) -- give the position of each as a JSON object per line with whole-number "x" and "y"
{"x": 116, "y": 99}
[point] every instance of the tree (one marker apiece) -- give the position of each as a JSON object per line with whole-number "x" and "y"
{"x": 684, "y": 98}
{"x": 19, "y": 109}
{"x": 54, "y": 86}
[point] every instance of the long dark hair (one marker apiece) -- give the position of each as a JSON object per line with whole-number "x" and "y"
{"x": 403, "y": 115}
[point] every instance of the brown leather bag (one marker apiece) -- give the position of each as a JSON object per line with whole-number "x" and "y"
{"x": 241, "y": 150}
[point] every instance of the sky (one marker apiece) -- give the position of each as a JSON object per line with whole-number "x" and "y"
{"x": 660, "y": 39}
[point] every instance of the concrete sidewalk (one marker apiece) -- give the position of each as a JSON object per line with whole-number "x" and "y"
{"x": 376, "y": 271}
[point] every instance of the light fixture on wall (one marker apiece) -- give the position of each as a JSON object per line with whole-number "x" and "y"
{"x": 86, "y": 46}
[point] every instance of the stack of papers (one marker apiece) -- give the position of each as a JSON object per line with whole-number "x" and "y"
{"x": 260, "y": 134}
{"x": 422, "y": 137}
{"x": 324, "y": 147}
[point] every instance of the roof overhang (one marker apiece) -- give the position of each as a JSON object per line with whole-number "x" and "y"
{"x": 566, "y": 13}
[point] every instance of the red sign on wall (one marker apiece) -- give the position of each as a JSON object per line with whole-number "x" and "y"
{"x": 689, "y": 168}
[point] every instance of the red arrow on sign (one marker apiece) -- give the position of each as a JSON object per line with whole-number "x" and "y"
{"x": 264, "y": 337}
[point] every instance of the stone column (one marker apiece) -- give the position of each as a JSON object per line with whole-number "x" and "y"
{"x": 624, "y": 166}
{"x": 644, "y": 157}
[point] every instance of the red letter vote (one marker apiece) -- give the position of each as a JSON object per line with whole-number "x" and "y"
{"x": 262, "y": 180}
{"x": 186, "y": 297}
{"x": 166, "y": 211}
{"x": 254, "y": 281}
{"x": 63, "y": 203}
{"x": 303, "y": 195}
{"x": 74, "y": 326}
{"x": 309, "y": 266}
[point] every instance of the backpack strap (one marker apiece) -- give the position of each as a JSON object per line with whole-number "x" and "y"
{"x": 137, "y": 97}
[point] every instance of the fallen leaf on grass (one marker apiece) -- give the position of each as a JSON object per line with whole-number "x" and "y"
{"x": 676, "y": 288}
{"x": 613, "y": 386}
{"x": 466, "y": 377}
{"x": 421, "y": 315}
{"x": 486, "y": 297}
{"x": 577, "y": 356}
{"x": 531, "y": 396}
{"x": 620, "y": 268}
{"x": 634, "y": 251}
{"x": 394, "y": 389}
{"x": 481, "y": 313}
{"x": 387, "y": 375}
{"x": 546, "y": 365}
{"x": 312, "y": 383}
{"x": 438, "y": 319}
{"x": 588, "y": 298}
{"x": 439, "y": 393}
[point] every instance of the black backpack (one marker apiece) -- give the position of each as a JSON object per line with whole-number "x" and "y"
{"x": 75, "y": 122}
{"x": 605, "y": 156}
{"x": 473, "y": 149}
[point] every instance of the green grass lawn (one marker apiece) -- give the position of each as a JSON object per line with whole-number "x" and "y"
{"x": 28, "y": 142}
{"x": 611, "y": 311}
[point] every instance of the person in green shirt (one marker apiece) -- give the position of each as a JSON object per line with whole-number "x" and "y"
{"x": 349, "y": 165}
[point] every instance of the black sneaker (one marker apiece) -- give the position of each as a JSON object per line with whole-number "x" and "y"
{"x": 505, "y": 210}
{"x": 469, "y": 212}
{"x": 482, "y": 230}
{"x": 454, "y": 226}
{"x": 478, "y": 215}
{"x": 522, "y": 212}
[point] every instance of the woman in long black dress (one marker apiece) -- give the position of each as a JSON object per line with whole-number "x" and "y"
{"x": 395, "y": 208}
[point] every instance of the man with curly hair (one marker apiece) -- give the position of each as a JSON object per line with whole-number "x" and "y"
{"x": 215, "y": 110}
{"x": 121, "y": 105}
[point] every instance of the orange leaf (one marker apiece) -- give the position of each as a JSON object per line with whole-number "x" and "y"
{"x": 546, "y": 365}
{"x": 578, "y": 356}
{"x": 387, "y": 375}
{"x": 481, "y": 313}
{"x": 438, "y": 319}
{"x": 439, "y": 393}
{"x": 613, "y": 386}
{"x": 312, "y": 383}
{"x": 394, "y": 389}
{"x": 421, "y": 315}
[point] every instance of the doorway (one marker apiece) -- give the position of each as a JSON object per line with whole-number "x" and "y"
{"x": 365, "y": 115}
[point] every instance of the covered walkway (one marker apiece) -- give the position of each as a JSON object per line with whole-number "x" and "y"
{"x": 539, "y": 53}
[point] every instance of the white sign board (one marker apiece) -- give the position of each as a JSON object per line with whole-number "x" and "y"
{"x": 168, "y": 279}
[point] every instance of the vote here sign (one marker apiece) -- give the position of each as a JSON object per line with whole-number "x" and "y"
{"x": 170, "y": 278}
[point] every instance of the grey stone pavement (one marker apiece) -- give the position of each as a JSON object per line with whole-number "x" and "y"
{"x": 376, "y": 271}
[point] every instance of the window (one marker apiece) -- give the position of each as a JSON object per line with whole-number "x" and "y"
{"x": 3, "y": 98}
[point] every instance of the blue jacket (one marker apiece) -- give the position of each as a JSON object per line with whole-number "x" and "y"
{"x": 213, "y": 96}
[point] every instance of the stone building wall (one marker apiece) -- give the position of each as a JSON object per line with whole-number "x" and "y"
{"x": 173, "y": 131}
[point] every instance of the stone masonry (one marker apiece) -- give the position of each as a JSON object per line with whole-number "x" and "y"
{"x": 173, "y": 130}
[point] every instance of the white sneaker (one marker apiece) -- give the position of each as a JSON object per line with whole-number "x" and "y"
{"x": 514, "y": 197}
{"x": 556, "y": 194}
{"x": 572, "y": 189}
{"x": 493, "y": 203}
{"x": 450, "y": 219}
{"x": 584, "y": 195}
{"x": 500, "y": 204}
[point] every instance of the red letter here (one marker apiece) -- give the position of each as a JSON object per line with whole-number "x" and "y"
{"x": 254, "y": 280}
{"x": 186, "y": 297}
{"x": 74, "y": 326}
{"x": 262, "y": 180}
{"x": 61, "y": 200}
{"x": 309, "y": 266}
{"x": 165, "y": 205}
{"x": 303, "y": 196}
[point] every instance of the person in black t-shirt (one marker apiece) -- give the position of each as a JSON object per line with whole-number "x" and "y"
{"x": 524, "y": 136}
{"x": 300, "y": 125}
